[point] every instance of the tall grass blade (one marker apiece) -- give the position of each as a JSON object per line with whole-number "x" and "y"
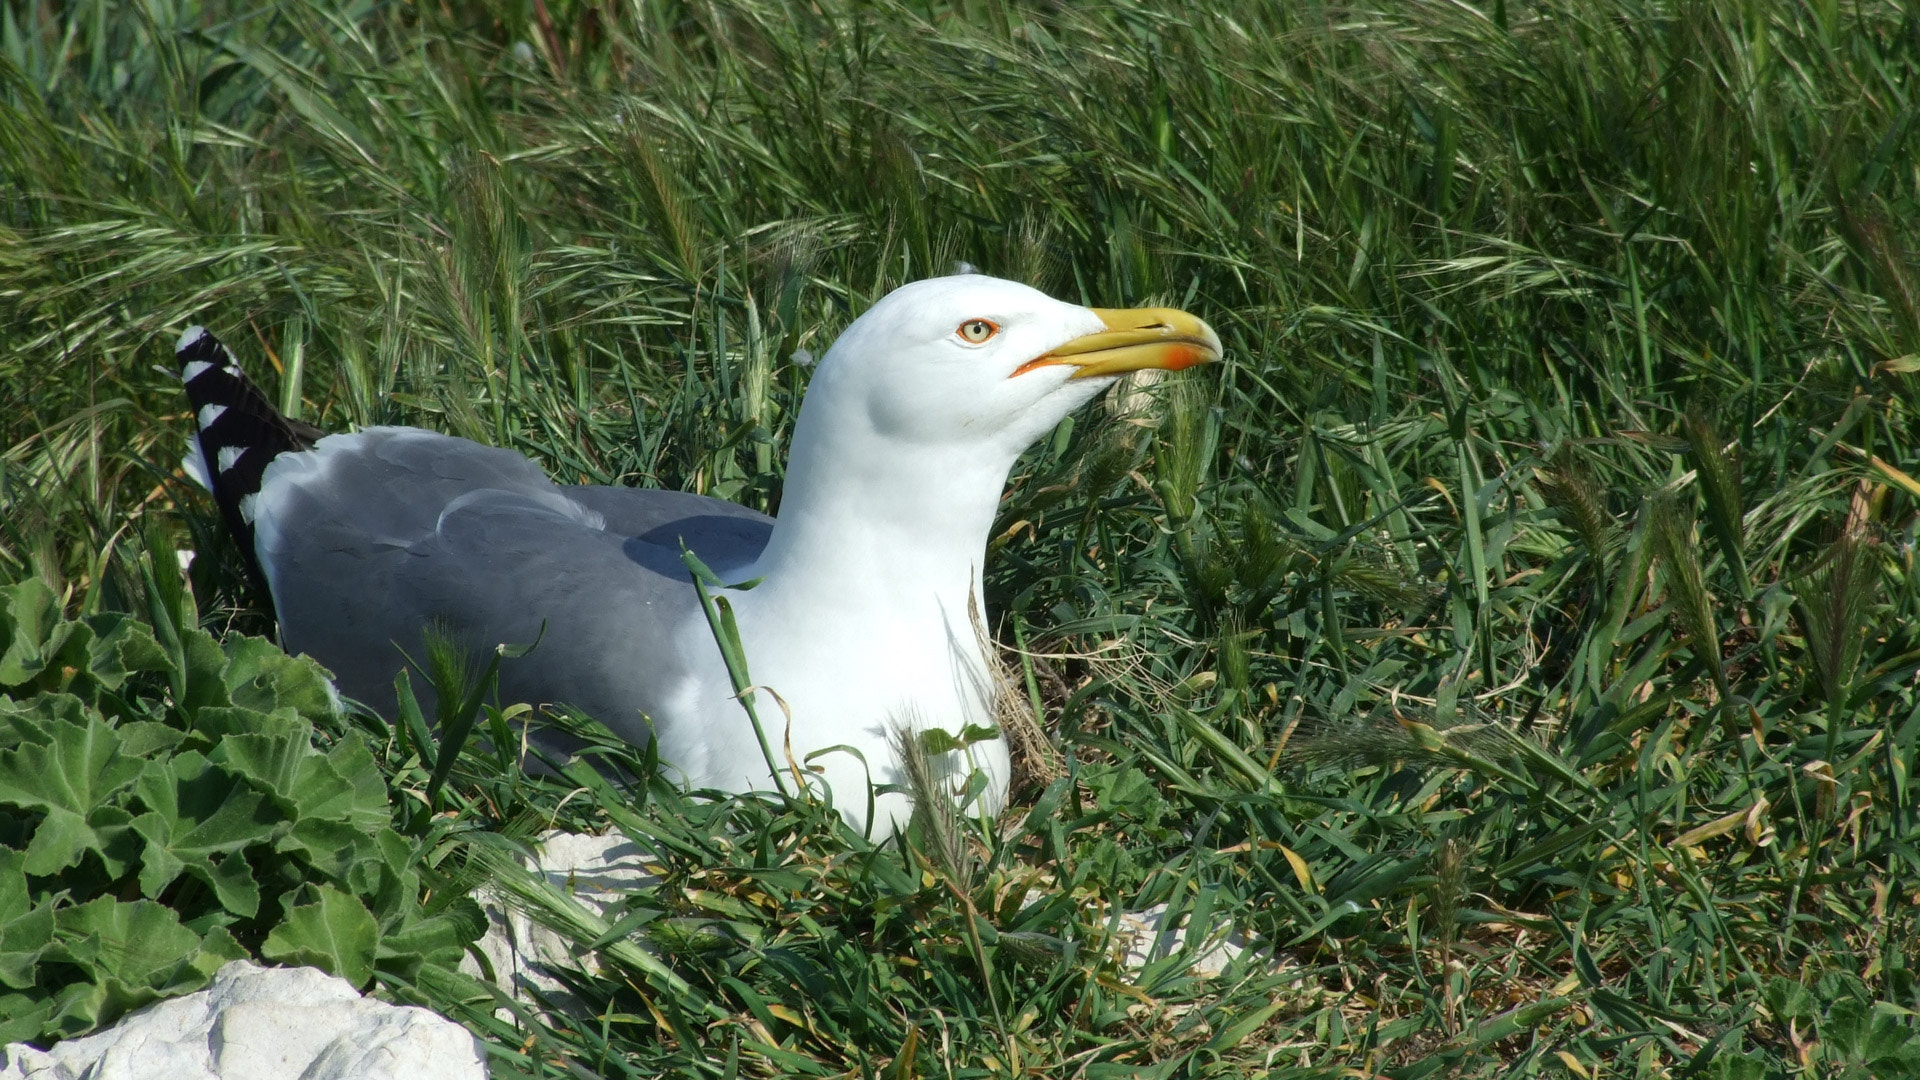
{"x": 1671, "y": 531}
{"x": 1719, "y": 470}
{"x": 1835, "y": 597}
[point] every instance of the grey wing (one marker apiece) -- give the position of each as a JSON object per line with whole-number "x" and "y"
{"x": 369, "y": 538}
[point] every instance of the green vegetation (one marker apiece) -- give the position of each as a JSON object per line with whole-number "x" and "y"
{"x": 164, "y": 809}
{"x": 1516, "y": 637}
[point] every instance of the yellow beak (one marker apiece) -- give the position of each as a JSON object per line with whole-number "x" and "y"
{"x": 1135, "y": 338}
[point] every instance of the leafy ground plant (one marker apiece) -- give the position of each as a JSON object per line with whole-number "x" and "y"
{"x": 168, "y": 804}
{"x": 1515, "y": 638}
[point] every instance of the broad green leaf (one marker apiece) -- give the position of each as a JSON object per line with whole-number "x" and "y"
{"x": 940, "y": 741}
{"x": 1845, "y": 1029}
{"x": 364, "y": 804}
{"x": 69, "y": 779}
{"x": 233, "y": 884}
{"x": 121, "y": 646}
{"x": 334, "y": 849}
{"x": 25, "y": 930}
{"x": 217, "y": 723}
{"x": 147, "y": 738}
{"x": 33, "y": 720}
{"x": 85, "y": 1006}
{"x": 23, "y": 1017}
{"x": 13, "y": 884}
{"x": 60, "y": 840}
{"x": 204, "y": 666}
{"x": 440, "y": 938}
{"x": 31, "y": 625}
{"x": 138, "y": 941}
{"x": 199, "y": 811}
{"x": 68, "y": 656}
{"x": 1890, "y": 1035}
{"x": 217, "y": 949}
{"x": 335, "y": 933}
{"x": 321, "y": 792}
{"x": 1732, "y": 1065}
{"x": 271, "y": 761}
{"x": 388, "y": 879}
{"x": 23, "y": 940}
{"x": 158, "y": 866}
{"x": 1788, "y": 1000}
{"x": 205, "y": 808}
{"x": 343, "y": 786}
{"x": 260, "y": 675}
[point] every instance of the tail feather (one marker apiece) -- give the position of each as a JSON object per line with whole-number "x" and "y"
{"x": 239, "y": 433}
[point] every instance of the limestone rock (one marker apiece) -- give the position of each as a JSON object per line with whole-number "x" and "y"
{"x": 594, "y": 870}
{"x": 255, "y": 1023}
{"x": 1146, "y": 937}
{"x": 598, "y": 870}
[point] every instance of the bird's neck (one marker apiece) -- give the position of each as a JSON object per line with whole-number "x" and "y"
{"x": 890, "y": 526}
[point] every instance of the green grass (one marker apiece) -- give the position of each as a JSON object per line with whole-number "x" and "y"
{"x": 1516, "y": 636}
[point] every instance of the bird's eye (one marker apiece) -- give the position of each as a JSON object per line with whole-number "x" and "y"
{"x": 976, "y": 331}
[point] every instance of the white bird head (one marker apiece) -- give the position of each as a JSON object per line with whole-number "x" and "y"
{"x": 866, "y": 615}
{"x": 976, "y": 359}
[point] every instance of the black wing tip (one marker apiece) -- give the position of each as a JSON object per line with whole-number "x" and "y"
{"x": 236, "y": 423}
{"x": 238, "y": 432}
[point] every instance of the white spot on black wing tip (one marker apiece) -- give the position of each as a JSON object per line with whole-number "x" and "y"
{"x": 199, "y": 352}
{"x": 230, "y": 456}
{"x": 209, "y": 413}
{"x": 195, "y": 466}
{"x": 247, "y": 504}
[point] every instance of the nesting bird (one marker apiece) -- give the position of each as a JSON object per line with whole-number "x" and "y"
{"x": 863, "y": 617}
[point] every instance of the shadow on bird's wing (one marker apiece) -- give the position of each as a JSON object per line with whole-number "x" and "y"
{"x": 725, "y": 543}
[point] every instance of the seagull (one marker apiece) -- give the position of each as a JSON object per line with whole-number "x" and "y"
{"x": 864, "y": 613}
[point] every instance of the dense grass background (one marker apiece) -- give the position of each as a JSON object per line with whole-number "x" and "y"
{"x": 1516, "y": 636}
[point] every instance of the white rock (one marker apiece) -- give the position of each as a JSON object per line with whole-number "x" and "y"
{"x": 596, "y": 871}
{"x": 599, "y": 870}
{"x": 1146, "y": 937}
{"x": 1142, "y": 937}
{"x": 255, "y": 1023}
